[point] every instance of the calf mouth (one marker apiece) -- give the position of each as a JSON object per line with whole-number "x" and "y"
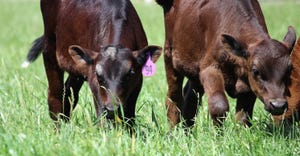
{"x": 277, "y": 111}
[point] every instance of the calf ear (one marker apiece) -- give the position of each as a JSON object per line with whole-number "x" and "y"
{"x": 290, "y": 38}
{"x": 82, "y": 57}
{"x": 142, "y": 55}
{"x": 232, "y": 45}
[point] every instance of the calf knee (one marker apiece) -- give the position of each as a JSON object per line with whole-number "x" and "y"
{"x": 218, "y": 106}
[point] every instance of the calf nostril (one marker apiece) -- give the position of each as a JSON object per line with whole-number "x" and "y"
{"x": 285, "y": 105}
{"x": 111, "y": 107}
{"x": 272, "y": 104}
{"x": 279, "y": 104}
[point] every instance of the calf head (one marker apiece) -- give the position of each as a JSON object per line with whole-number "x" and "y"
{"x": 114, "y": 73}
{"x": 268, "y": 68}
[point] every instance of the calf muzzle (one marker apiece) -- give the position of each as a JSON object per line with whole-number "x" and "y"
{"x": 110, "y": 110}
{"x": 278, "y": 106}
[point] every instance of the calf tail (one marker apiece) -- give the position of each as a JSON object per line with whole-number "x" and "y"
{"x": 166, "y": 4}
{"x": 34, "y": 52}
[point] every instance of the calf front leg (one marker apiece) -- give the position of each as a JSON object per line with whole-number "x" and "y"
{"x": 72, "y": 86}
{"x": 129, "y": 106}
{"x": 191, "y": 101}
{"x": 213, "y": 83}
{"x": 245, "y": 103}
{"x": 244, "y": 108}
{"x": 174, "y": 97}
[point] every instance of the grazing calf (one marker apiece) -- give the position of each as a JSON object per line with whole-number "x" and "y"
{"x": 223, "y": 46}
{"x": 293, "y": 112}
{"x": 100, "y": 41}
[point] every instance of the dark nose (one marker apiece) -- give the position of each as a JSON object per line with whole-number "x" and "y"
{"x": 111, "y": 110}
{"x": 278, "y": 106}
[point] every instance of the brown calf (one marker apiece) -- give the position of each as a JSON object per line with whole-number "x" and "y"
{"x": 293, "y": 112}
{"x": 100, "y": 41}
{"x": 223, "y": 46}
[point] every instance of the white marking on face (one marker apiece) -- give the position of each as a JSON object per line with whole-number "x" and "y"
{"x": 99, "y": 69}
{"x": 110, "y": 52}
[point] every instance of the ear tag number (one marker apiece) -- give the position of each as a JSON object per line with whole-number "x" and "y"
{"x": 149, "y": 68}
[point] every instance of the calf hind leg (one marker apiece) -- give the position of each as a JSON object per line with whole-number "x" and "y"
{"x": 55, "y": 79}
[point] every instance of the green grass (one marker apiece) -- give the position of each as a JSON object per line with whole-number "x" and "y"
{"x": 26, "y": 128}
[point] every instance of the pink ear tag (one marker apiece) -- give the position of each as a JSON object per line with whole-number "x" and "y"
{"x": 149, "y": 68}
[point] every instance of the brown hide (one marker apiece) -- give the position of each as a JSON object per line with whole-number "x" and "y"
{"x": 293, "y": 111}
{"x": 222, "y": 46}
{"x": 98, "y": 41}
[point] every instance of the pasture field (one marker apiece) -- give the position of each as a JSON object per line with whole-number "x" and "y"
{"x": 26, "y": 128}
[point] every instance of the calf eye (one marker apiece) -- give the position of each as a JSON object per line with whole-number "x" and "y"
{"x": 289, "y": 71}
{"x": 255, "y": 72}
{"x": 290, "y": 68}
{"x": 101, "y": 79}
{"x": 131, "y": 71}
{"x": 288, "y": 74}
{"x": 130, "y": 74}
